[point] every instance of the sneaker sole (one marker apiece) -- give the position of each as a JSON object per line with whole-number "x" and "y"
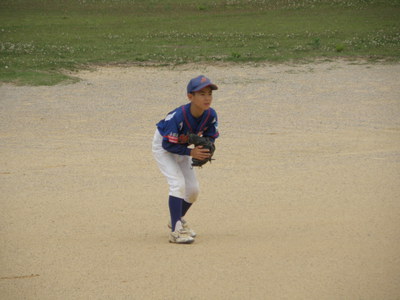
{"x": 187, "y": 242}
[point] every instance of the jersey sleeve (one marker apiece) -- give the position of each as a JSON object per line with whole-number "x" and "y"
{"x": 169, "y": 129}
{"x": 212, "y": 128}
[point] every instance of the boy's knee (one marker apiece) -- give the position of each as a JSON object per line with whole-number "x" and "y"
{"x": 193, "y": 194}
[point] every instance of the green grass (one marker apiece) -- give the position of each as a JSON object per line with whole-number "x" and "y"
{"x": 39, "y": 39}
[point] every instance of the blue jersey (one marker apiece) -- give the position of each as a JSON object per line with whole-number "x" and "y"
{"x": 177, "y": 125}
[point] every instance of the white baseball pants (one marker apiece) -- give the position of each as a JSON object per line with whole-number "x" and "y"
{"x": 178, "y": 170}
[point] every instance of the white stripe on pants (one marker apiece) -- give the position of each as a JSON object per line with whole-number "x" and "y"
{"x": 178, "y": 170}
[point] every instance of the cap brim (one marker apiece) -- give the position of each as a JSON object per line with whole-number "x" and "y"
{"x": 212, "y": 86}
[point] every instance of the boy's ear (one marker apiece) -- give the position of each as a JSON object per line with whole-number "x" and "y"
{"x": 190, "y": 96}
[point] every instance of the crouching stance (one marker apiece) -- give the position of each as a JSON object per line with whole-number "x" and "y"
{"x": 174, "y": 157}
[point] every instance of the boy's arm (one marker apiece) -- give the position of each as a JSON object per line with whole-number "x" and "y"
{"x": 175, "y": 148}
{"x": 171, "y": 142}
{"x": 197, "y": 153}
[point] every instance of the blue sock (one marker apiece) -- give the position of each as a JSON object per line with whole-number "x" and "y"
{"x": 175, "y": 210}
{"x": 185, "y": 207}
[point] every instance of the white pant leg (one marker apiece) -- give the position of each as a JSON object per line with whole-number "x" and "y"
{"x": 191, "y": 182}
{"x": 178, "y": 171}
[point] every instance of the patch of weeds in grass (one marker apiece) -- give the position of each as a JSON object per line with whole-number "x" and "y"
{"x": 339, "y": 47}
{"x": 316, "y": 44}
{"x": 235, "y": 55}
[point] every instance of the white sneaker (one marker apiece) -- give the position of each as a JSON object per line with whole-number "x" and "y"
{"x": 180, "y": 237}
{"x": 186, "y": 226}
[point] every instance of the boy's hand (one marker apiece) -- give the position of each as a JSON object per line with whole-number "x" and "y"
{"x": 200, "y": 153}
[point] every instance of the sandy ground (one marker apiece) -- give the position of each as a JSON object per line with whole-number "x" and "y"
{"x": 302, "y": 201}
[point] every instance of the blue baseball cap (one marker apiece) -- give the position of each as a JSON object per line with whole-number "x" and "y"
{"x": 198, "y": 83}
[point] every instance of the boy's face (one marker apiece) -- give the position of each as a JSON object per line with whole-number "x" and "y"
{"x": 201, "y": 99}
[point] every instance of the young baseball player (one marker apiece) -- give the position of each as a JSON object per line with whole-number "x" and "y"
{"x": 174, "y": 156}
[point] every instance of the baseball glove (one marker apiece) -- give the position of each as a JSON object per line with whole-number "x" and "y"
{"x": 206, "y": 143}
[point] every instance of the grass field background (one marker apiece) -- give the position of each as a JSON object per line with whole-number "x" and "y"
{"x": 39, "y": 39}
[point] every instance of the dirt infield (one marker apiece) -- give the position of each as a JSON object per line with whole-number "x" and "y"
{"x": 302, "y": 201}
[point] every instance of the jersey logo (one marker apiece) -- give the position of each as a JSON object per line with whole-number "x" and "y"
{"x": 172, "y": 137}
{"x": 170, "y": 116}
